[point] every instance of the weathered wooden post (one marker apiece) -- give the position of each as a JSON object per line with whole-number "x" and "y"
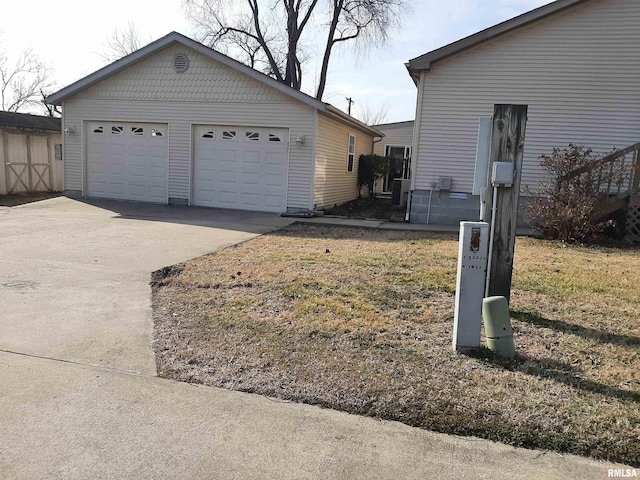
{"x": 507, "y": 145}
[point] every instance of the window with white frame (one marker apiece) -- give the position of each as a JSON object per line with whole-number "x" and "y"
{"x": 351, "y": 153}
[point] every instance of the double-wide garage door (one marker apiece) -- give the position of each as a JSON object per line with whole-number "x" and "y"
{"x": 127, "y": 161}
{"x": 242, "y": 168}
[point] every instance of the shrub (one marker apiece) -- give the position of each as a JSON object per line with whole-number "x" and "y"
{"x": 370, "y": 169}
{"x": 567, "y": 208}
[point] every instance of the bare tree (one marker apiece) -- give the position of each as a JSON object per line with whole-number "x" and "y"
{"x": 50, "y": 110}
{"x": 371, "y": 115}
{"x": 268, "y": 34}
{"x": 122, "y": 42}
{"x": 21, "y": 81}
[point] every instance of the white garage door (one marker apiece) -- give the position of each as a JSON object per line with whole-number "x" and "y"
{"x": 127, "y": 161}
{"x": 242, "y": 168}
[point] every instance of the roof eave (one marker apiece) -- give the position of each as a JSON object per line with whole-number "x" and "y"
{"x": 354, "y": 122}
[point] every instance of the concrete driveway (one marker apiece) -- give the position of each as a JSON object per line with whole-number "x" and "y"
{"x": 78, "y": 393}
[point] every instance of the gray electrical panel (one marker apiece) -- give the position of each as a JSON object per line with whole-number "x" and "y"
{"x": 445, "y": 183}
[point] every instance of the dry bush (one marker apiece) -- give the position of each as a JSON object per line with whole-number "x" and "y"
{"x": 567, "y": 209}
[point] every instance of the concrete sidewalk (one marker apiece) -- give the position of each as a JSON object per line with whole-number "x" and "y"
{"x": 78, "y": 393}
{"x": 386, "y": 225}
{"x": 61, "y": 420}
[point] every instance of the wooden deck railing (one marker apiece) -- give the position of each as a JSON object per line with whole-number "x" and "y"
{"x": 618, "y": 174}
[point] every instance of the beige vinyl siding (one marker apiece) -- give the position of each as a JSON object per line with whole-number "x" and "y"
{"x": 207, "y": 93}
{"x": 577, "y": 70}
{"x": 333, "y": 184}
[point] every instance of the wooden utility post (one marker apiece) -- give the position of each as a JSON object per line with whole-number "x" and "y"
{"x": 351, "y": 102}
{"x": 507, "y": 145}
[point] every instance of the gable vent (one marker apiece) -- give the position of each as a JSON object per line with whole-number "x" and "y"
{"x": 180, "y": 63}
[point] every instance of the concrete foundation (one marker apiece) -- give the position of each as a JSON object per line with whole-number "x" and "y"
{"x": 446, "y": 208}
{"x": 449, "y": 208}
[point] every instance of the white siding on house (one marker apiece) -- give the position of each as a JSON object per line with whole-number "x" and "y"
{"x": 207, "y": 93}
{"x": 578, "y": 71}
{"x": 333, "y": 184}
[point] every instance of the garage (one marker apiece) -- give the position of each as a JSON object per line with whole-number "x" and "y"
{"x": 127, "y": 161}
{"x": 243, "y": 168}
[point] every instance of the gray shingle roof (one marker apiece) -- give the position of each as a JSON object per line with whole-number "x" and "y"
{"x": 25, "y": 121}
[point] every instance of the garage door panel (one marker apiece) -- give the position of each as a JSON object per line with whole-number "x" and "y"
{"x": 250, "y": 199}
{"x": 240, "y": 168}
{"x": 126, "y": 161}
{"x": 250, "y": 179}
{"x": 251, "y": 158}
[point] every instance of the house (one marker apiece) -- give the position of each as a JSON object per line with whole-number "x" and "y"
{"x": 575, "y": 63}
{"x": 30, "y": 154}
{"x": 396, "y": 145}
{"x": 177, "y": 122}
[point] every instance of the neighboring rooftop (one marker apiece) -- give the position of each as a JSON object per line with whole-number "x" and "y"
{"x": 388, "y": 126}
{"x": 26, "y": 121}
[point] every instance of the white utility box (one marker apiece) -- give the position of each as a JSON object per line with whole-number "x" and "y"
{"x": 502, "y": 174}
{"x": 472, "y": 272}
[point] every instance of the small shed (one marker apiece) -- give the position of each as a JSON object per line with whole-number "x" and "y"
{"x": 30, "y": 153}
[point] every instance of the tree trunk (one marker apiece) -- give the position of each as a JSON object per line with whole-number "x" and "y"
{"x": 322, "y": 83}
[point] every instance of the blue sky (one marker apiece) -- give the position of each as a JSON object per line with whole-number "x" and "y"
{"x": 70, "y": 35}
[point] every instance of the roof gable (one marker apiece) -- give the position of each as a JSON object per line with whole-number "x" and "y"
{"x": 176, "y": 39}
{"x": 205, "y": 80}
{"x": 424, "y": 62}
{"x": 167, "y": 41}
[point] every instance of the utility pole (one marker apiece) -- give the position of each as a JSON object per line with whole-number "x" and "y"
{"x": 350, "y": 100}
{"x": 507, "y": 145}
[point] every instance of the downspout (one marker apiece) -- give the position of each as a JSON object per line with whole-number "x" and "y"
{"x": 414, "y": 146}
{"x": 373, "y": 147}
{"x": 373, "y": 144}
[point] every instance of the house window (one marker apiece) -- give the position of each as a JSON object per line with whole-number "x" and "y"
{"x": 98, "y": 130}
{"x": 156, "y": 133}
{"x": 229, "y": 135}
{"x": 137, "y": 131}
{"x": 117, "y": 130}
{"x": 274, "y": 138}
{"x": 351, "y": 155}
{"x": 252, "y": 136}
{"x": 208, "y": 134}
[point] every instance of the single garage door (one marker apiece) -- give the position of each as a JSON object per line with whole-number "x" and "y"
{"x": 243, "y": 168}
{"x": 127, "y": 161}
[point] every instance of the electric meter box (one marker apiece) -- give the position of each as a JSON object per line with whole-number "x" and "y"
{"x": 502, "y": 174}
{"x": 473, "y": 250}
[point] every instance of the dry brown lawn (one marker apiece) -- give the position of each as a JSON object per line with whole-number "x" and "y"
{"x": 361, "y": 321}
